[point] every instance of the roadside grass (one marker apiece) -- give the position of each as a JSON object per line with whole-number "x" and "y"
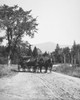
{"x": 5, "y": 71}
{"x": 67, "y": 69}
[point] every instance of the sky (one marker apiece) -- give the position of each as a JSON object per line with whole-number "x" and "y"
{"x": 59, "y": 20}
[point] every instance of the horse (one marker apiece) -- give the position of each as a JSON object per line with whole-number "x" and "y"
{"x": 41, "y": 64}
{"x": 46, "y": 63}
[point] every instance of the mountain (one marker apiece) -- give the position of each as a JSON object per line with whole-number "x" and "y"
{"x": 48, "y": 46}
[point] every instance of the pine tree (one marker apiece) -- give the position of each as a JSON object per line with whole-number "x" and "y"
{"x": 35, "y": 53}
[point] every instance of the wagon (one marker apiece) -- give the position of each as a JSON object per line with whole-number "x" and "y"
{"x": 22, "y": 62}
{"x": 28, "y": 63}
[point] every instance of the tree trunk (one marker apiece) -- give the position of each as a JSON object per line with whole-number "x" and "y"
{"x": 72, "y": 60}
{"x": 79, "y": 58}
{"x": 9, "y": 61}
{"x": 64, "y": 58}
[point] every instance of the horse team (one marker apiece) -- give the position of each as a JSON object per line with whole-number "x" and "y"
{"x": 36, "y": 65}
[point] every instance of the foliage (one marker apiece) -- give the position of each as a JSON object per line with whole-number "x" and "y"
{"x": 67, "y": 55}
{"x": 16, "y": 22}
{"x": 75, "y": 53}
{"x": 58, "y": 54}
{"x": 45, "y": 54}
{"x": 35, "y": 53}
{"x": 29, "y": 53}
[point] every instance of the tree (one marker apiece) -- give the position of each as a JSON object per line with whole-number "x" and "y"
{"x": 22, "y": 48}
{"x": 29, "y": 53}
{"x": 58, "y": 54}
{"x": 16, "y": 22}
{"x": 66, "y": 55}
{"x": 35, "y": 53}
{"x": 73, "y": 53}
{"x": 78, "y": 54}
{"x": 45, "y": 54}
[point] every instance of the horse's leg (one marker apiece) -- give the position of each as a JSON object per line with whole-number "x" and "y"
{"x": 50, "y": 67}
{"x": 18, "y": 67}
{"x": 45, "y": 68}
{"x": 34, "y": 68}
{"x": 40, "y": 68}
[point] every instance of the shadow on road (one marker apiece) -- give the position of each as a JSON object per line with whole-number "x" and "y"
{"x": 14, "y": 70}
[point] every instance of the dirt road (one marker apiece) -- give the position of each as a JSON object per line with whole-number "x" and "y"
{"x": 37, "y": 86}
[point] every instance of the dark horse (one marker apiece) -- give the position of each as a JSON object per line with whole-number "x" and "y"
{"x": 40, "y": 64}
{"x": 46, "y": 63}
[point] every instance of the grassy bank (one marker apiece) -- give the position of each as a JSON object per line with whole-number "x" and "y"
{"x": 61, "y": 68}
{"x": 67, "y": 69}
{"x": 6, "y": 71}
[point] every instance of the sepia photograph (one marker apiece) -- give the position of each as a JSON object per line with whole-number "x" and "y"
{"x": 39, "y": 49}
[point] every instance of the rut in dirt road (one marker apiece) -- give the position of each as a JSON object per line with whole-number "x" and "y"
{"x": 39, "y": 86}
